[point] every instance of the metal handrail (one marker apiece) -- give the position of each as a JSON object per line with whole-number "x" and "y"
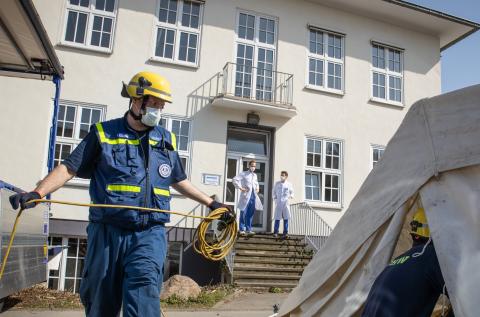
{"x": 257, "y": 84}
{"x": 306, "y": 222}
{"x": 185, "y": 222}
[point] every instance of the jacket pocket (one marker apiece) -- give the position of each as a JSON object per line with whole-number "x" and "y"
{"x": 119, "y": 153}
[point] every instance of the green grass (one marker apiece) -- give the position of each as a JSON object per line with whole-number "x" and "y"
{"x": 275, "y": 290}
{"x": 207, "y": 298}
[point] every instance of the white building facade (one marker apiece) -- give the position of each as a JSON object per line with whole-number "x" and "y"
{"x": 316, "y": 88}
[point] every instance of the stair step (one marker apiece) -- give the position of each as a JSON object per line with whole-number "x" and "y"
{"x": 271, "y": 242}
{"x": 267, "y": 247}
{"x": 262, "y": 276}
{"x": 272, "y": 261}
{"x": 270, "y": 237}
{"x": 275, "y": 254}
{"x": 266, "y": 284}
{"x": 240, "y": 273}
{"x": 263, "y": 268}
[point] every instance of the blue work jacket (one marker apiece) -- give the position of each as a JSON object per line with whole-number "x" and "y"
{"x": 122, "y": 177}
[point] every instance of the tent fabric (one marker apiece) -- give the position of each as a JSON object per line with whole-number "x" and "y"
{"x": 452, "y": 205}
{"x": 438, "y": 134}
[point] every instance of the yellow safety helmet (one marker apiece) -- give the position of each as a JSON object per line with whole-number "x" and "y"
{"x": 148, "y": 84}
{"x": 419, "y": 224}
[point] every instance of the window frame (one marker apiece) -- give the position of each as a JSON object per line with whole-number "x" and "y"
{"x": 387, "y": 73}
{"x": 91, "y": 12}
{"x": 62, "y": 271}
{"x": 256, "y": 45}
{"x": 373, "y": 148}
{"x": 326, "y": 60}
{"x": 178, "y": 28}
{"x": 323, "y": 171}
{"x": 183, "y": 154}
{"x": 75, "y": 139}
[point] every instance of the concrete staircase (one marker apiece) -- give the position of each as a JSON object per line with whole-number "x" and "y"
{"x": 262, "y": 261}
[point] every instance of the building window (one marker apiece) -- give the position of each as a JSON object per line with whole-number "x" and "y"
{"x": 255, "y": 56}
{"x": 54, "y": 275}
{"x": 387, "y": 73}
{"x": 377, "y": 153}
{"x": 73, "y": 124}
{"x": 77, "y": 249}
{"x": 90, "y": 23}
{"x": 181, "y": 128}
{"x": 323, "y": 170}
{"x": 178, "y": 26}
{"x": 325, "y": 60}
{"x": 69, "y": 273}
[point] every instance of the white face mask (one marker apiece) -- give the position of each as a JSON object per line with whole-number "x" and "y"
{"x": 283, "y": 178}
{"x": 252, "y": 169}
{"x": 151, "y": 117}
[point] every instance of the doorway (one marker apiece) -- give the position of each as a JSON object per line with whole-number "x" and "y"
{"x": 244, "y": 145}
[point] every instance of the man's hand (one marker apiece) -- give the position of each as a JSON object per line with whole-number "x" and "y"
{"x": 228, "y": 216}
{"x": 23, "y": 199}
{"x": 243, "y": 190}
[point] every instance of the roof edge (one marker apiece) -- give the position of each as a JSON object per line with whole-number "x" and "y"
{"x": 436, "y": 13}
{"x": 474, "y": 25}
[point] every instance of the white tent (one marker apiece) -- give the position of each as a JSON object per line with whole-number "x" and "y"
{"x": 436, "y": 154}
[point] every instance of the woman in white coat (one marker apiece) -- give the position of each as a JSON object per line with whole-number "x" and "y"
{"x": 249, "y": 201}
{"x": 282, "y": 192}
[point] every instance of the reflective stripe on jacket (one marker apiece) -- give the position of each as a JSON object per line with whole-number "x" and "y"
{"x": 121, "y": 177}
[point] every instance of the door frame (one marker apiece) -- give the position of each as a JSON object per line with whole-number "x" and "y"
{"x": 268, "y": 227}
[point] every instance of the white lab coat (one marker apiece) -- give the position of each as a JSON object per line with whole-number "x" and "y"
{"x": 282, "y": 192}
{"x": 249, "y": 181}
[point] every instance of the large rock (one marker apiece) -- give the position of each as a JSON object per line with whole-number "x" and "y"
{"x": 181, "y": 286}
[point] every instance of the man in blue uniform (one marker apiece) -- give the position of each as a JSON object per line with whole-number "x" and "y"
{"x": 411, "y": 284}
{"x": 130, "y": 161}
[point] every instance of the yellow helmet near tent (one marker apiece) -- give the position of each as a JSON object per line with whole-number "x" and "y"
{"x": 419, "y": 224}
{"x": 148, "y": 84}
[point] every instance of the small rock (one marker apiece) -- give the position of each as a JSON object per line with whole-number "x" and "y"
{"x": 181, "y": 286}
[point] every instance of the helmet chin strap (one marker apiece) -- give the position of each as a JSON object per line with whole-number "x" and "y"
{"x": 135, "y": 116}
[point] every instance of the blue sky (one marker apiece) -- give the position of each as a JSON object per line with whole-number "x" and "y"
{"x": 461, "y": 62}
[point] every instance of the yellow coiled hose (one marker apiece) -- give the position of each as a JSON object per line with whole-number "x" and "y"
{"x": 215, "y": 248}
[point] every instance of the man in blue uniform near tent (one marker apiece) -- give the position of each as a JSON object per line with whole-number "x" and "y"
{"x": 412, "y": 283}
{"x": 130, "y": 161}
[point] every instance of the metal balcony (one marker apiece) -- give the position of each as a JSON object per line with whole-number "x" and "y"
{"x": 262, "y": 90}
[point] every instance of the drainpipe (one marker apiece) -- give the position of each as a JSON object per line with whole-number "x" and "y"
{"x": 53, "y": 129}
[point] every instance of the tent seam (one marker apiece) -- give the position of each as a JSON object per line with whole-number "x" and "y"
{"x": 429, "y": 135}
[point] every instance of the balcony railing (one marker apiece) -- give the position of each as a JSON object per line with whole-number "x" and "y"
{"x": 306, "y": 222}
{"x": 256, "y": 84}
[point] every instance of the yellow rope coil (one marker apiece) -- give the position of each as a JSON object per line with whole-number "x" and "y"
{"x": 215, "y": 248}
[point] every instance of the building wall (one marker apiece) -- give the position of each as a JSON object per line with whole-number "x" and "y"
{"x": 94, "y": 77}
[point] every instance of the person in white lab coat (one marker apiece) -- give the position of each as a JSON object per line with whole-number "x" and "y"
{"x": 282, "y": 192}
{"x": 249, "y": 201}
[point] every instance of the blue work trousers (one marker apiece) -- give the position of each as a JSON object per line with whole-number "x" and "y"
{"x": 246, "y": 215}
{"x": 277, "y": 225}
{"x": 123, "y": 266}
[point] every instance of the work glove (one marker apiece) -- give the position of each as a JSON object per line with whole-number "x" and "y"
{"x": 227, "y": 217}
{"x": 22, "y": 200}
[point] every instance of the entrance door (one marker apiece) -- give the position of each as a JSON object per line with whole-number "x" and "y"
{"x": 237, "y": 164}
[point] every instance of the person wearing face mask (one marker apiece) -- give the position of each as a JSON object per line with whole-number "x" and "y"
{"x": 282, "y": 192}
{"x": 249, "y": 201}
{"x": 130, "y": 161}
